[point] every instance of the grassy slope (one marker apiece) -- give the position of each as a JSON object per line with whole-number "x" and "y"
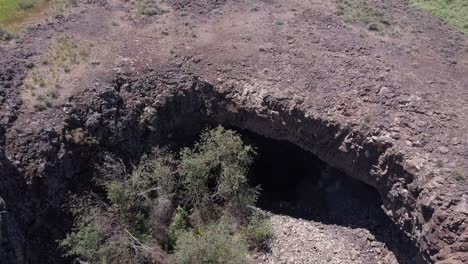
{"x": 8, "y": 9}
{"x": 12, "y": 16}
{"x": 455, "y": 12}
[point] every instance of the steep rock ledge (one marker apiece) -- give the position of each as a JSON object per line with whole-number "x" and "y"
{"x": 128, "y": 118}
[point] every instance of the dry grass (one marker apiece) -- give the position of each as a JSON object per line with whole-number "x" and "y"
{"x": 61, "y": 6}
{"x": 360, "y": 11}
{"x": 43, "y": 83}
{"x": 146, "y": 8}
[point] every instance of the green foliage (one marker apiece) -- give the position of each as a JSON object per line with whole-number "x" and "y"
{"x": 84, "y": 241}
{"x": 454, "y": 12}
{"x": 156, "y": 174}
{"x": 134, "y": 219}
{"x": 111, "y": 233}
{"x": 180, "y": 221}
{"x": 179, "y": 224}
{"x": 26, "y": 4}
{"x": 118, "y": 195}
{"x": 259, "y": 232}
{"x": 125, "y": 204}
{"x": 215, "y": 243}
{"x": 215, "y": 170}
{"x": 13, "y": 13}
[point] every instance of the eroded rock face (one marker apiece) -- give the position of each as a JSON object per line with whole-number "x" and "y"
{"x": 41, "y": 163}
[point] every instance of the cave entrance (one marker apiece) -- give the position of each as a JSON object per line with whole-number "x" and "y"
{"x": 296, "y": 183}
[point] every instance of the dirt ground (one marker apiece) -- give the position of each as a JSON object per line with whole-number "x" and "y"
{"x": 406, "y": 82}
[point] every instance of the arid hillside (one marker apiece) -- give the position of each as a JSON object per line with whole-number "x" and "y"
{"x": 375, "y": 91}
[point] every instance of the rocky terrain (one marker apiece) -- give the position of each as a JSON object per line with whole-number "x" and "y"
{"x": 302, "y": 241}
{"x": 387, "y": 107}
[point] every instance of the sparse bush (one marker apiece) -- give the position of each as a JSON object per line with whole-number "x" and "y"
{"x": 150, "y": 11}
{"x": 215, "y": 170}
{"x": 215, "y": 243}
{"x": 180, "y": 223}
{"x": 458, "y": 175}
{"x": 259, "y": 232}
{"x": 136, "y": 216}
{"x": 156, "y": 174}
{"x": 114, "y": 232}
{"x": 5, "y": 35}
{"x": 26, "y": 4}
{"x": 150, "y": 8}
{"x": 84, "y": 240}
{"x": 61, "y": 6}
{"x": 360, "y": 10}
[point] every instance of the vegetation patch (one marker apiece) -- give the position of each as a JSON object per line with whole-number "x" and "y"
{"x": 458, "y": 174}
{"x": 219, "y": 242}
{"x": 5, "y": 34}
{"x": 259, "y": 232}
{"x": 150, "y": 8}
{"x": 146, "y": 8}
{"x": 26, "y": 4}
{"x": 360, "y": 10}
{"x": 454, "y": 12}
{"x": 43, "y": 83}
{"x": 13, "y": 13}
{"x": 194, "y": 206}
{"x": 59, "y": 7}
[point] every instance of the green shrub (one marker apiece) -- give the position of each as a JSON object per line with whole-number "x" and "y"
{"x": 136, "y": 216}
{"x": 181, "y": 220}
{"x": 216, "y": 243}
{"x": 84, "y": 241}
{"x": 179, "y": 224}
{"x": 26, "y": 4}
{"x": 100, "y": 235}
{"x": 259, "y": 232}
{"x": 215, "y": 170}
{"x": 156, "y": 174}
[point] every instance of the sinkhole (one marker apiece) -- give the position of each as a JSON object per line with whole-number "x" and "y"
{"x": 296, "y": 183}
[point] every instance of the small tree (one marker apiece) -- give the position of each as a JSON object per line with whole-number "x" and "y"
{"x": 215, "y": 170}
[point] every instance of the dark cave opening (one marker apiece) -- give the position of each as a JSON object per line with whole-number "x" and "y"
{"x": 296, "y": 183}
